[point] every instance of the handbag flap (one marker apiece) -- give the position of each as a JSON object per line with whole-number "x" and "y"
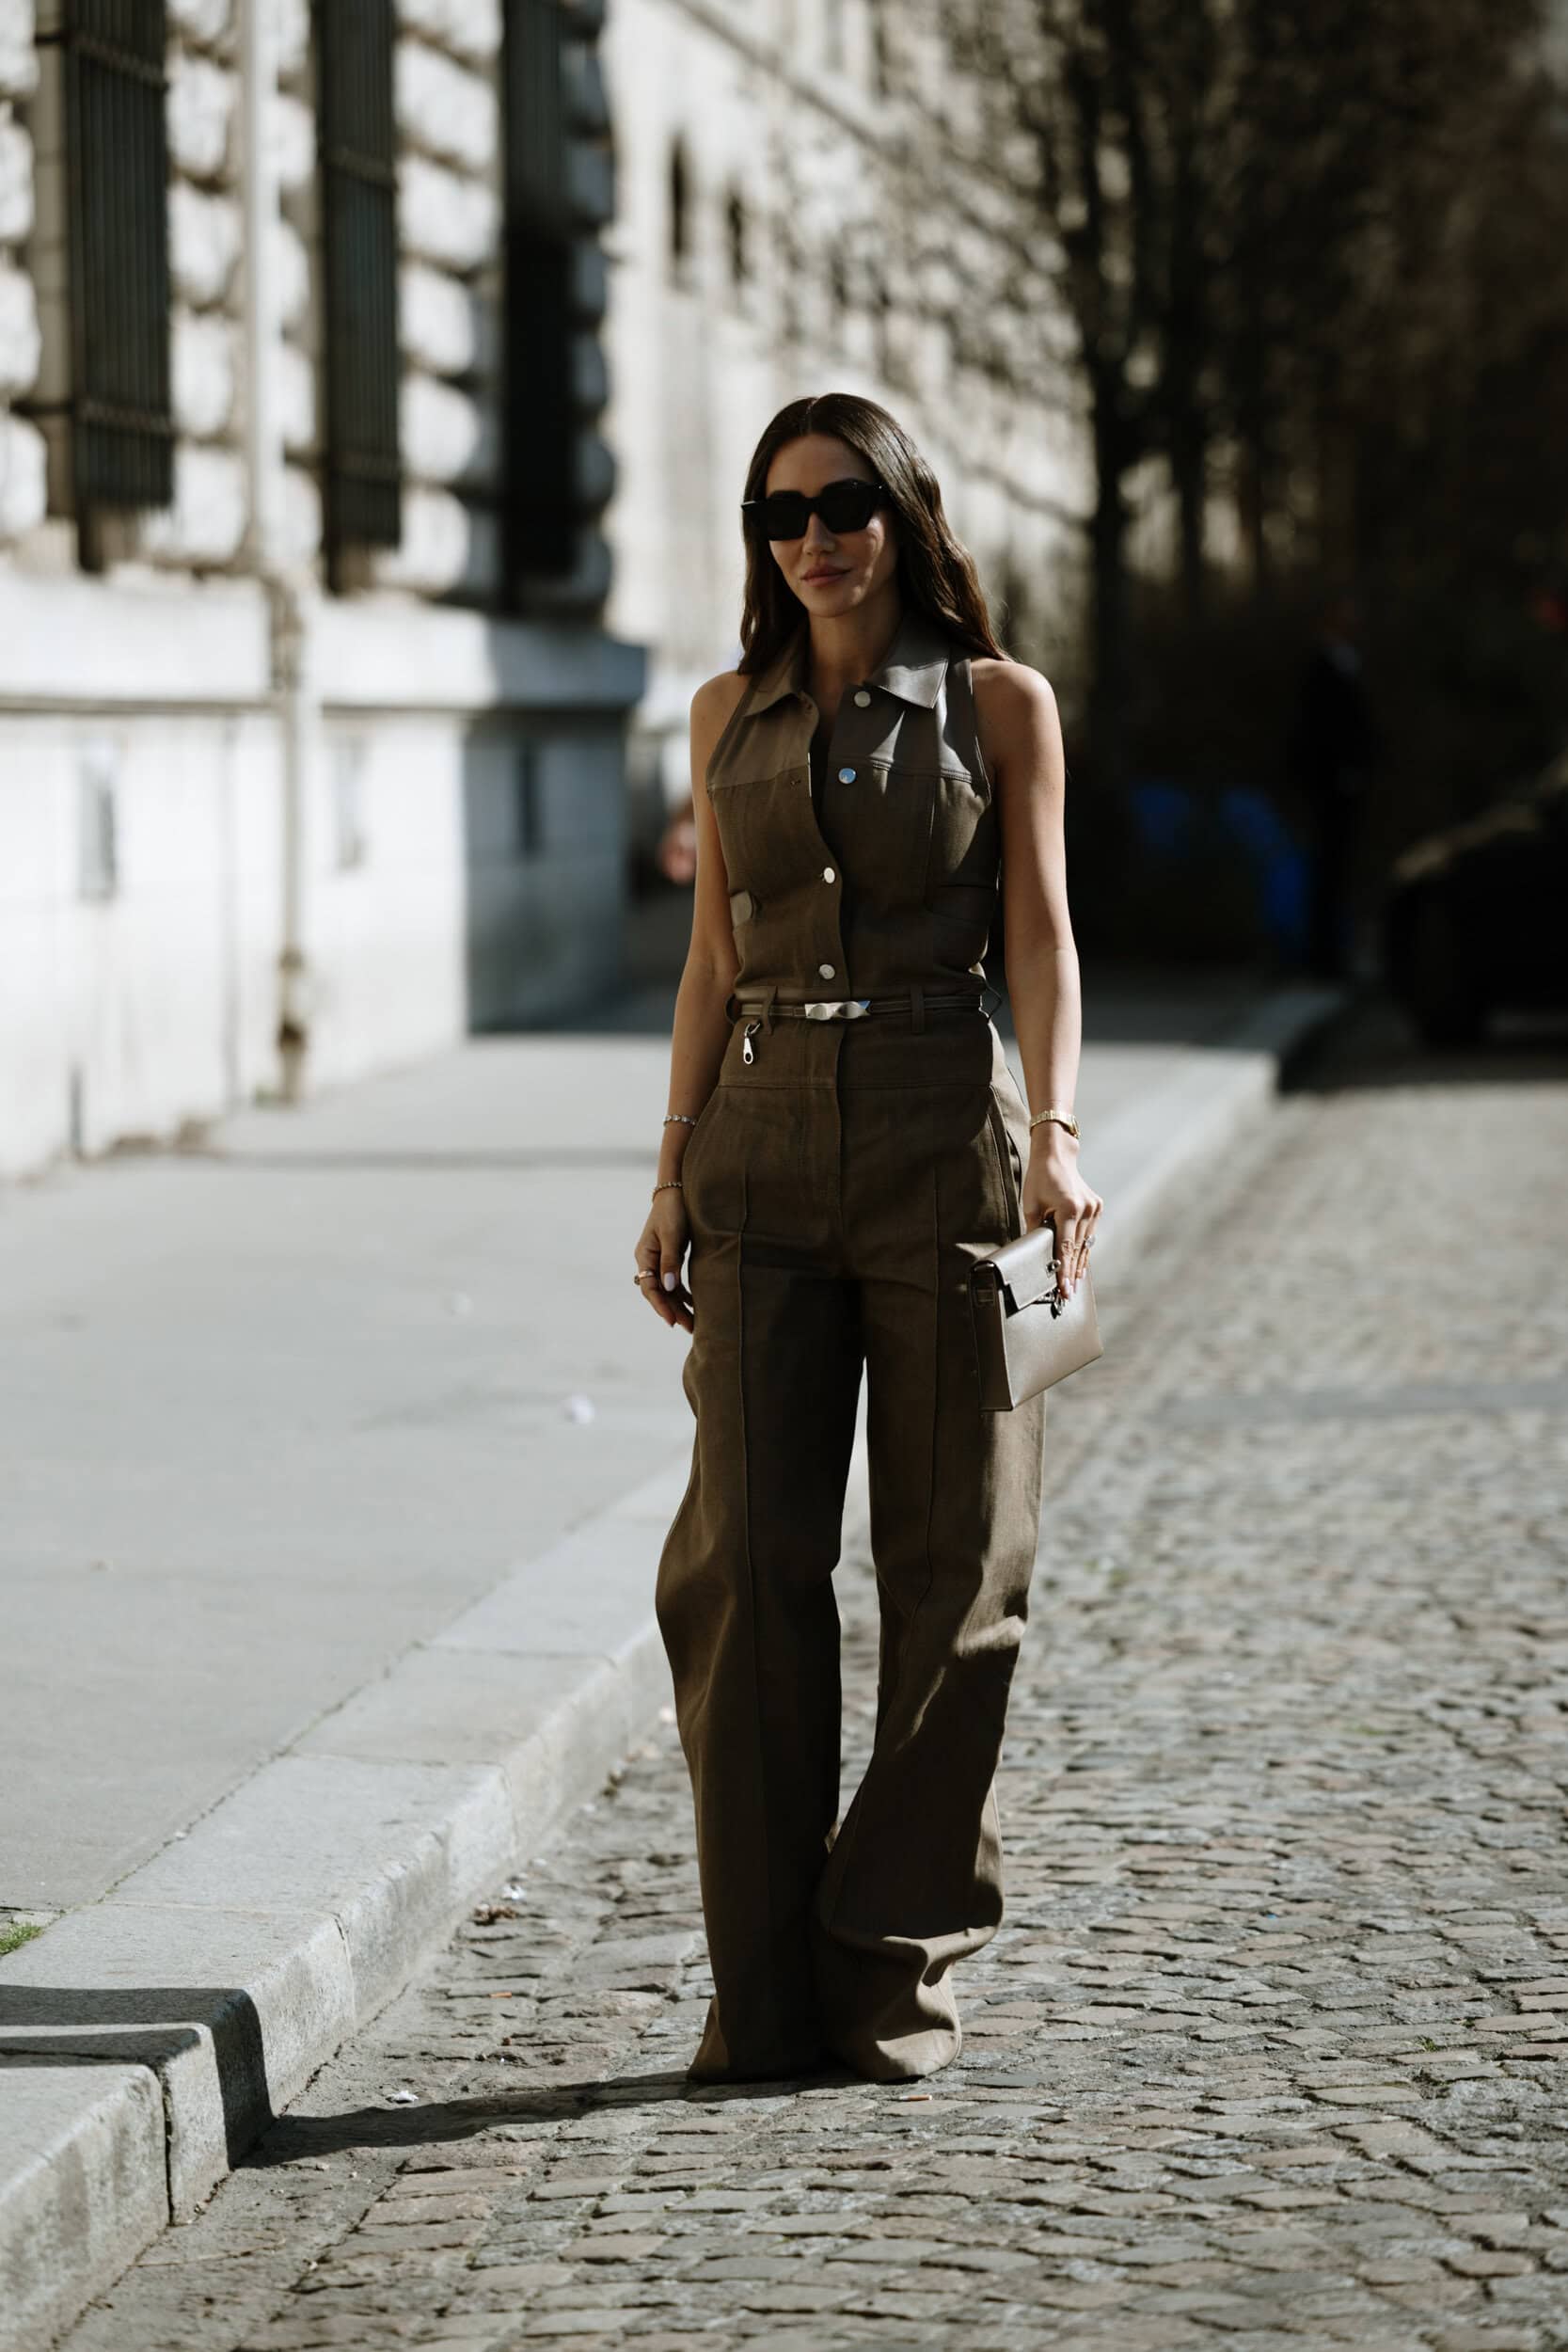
{"x": 1024, "y": 1267}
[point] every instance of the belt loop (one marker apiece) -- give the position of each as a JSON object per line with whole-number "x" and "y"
{"x": 917, "y": 1010}
{"x": 768, "y": 1010}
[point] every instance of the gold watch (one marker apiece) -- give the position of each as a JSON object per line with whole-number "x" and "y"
{"x": 1063, "y": 1119}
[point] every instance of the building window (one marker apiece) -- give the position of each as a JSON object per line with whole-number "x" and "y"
{"x": 737, "y": 238}
{"x": 680, "y": 209}
{"x": 363, "y": 503}
{"x": 111, "y": 54}
{"x": 541, "y": 502}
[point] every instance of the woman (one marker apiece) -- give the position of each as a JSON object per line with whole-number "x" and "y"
{"x": 844, "y": 1138}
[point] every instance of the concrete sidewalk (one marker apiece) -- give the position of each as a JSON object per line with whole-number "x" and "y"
{"x": 338, "y": 1457}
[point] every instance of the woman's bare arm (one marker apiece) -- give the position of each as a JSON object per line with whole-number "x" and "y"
{"x": 1022, "y": 740}
{"x": 701, "y": 1028}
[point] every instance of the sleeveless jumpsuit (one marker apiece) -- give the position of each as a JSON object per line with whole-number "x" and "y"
{"x": 843, "y": 1174}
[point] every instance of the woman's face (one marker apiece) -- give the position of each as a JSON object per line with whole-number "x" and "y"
{"x": 832, "y": 573}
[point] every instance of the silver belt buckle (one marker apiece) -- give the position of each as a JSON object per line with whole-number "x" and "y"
{"x": 842, "y": 1009}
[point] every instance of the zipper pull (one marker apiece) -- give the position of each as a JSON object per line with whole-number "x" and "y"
{"x": 747, "y": 1054}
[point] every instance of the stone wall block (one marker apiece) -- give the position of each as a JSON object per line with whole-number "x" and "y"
{"x": 445, "y": 435}
{"x": 443, "y": 217}
{"x": 291, "y": 262}
{"x": 292, "y": 130}
{"x": 16, "y": 179}
{"x": 199, "y": 112}
{"x": 587, "y": 102}
{"x": 594, "y": 472}
{"x": 205, "y": 20}
{"x": 445, "y": 108}
{"x": 294, "y": 390}
{"x": 590, "y": 184}
{"x": 302, "y": 515}
{"x": 437, "y": 319}
{"x": 471, "y": 28}
{"x": 18, "y": 59}
{"x": 590, "y": 280}
{"x": 433, "y": 554}
{"x": 23, "y": 466}
{"x": 20, "y": 342}
{"x": 204, "y": 243}
{"x": 203, "y": 367}
{"x": 590, "y": 376}
{"x": 205, "y": 525}
{"x": 291, "y": 32}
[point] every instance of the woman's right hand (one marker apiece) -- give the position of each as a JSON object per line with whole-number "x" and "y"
{"x": 660, "y": 1248}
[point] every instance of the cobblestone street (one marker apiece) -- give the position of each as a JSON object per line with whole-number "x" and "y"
{"x": 1270, "y": 2050}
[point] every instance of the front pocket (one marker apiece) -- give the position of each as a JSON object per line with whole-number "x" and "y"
{"x": 1009, "y": 1165}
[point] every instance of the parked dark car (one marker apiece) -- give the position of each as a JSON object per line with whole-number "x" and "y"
{"x": 1476, "y": 919}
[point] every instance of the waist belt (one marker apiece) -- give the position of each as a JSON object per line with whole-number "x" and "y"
{"x": 760, "y": 1012}
{"x": 763, "y": 1010}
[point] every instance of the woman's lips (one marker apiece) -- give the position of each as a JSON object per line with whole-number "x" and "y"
{"x": 814, "y": 580}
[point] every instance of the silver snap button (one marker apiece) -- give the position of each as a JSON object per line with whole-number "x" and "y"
{"x": 827, "y": 873}
{"x": 862, "y": 700}
{"x": 827, "y": 970}
{"x": 847, "y": 775}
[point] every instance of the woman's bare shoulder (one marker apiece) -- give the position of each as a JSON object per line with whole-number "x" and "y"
{"x": 715, "y": 700}
{"x": 1011, "y": 692}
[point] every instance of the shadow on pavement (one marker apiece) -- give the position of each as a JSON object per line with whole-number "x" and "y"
{"x": 296, "y": 2137}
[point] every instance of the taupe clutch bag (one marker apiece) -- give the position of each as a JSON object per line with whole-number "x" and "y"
{"x": 1027, "y": 1337}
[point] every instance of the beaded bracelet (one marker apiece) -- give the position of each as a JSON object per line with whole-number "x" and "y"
{"x": 679, "y": 1119}
{"x": 670, "y": 1184}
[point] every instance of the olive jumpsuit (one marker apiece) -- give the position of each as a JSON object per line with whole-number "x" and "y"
{"x": 846, "y": 1170}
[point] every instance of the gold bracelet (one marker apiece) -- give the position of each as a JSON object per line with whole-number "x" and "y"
{"x": 1063, "y": 1119}
{"x": 670, "y": 1184}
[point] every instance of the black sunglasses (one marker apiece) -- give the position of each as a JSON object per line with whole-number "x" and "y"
{"x": 847, "y": 506}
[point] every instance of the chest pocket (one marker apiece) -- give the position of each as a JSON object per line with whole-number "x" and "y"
{"x": 903, "y": 830}
{"x": 767, "y": 832}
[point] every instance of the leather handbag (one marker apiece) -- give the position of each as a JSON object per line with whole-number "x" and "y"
{"x": 1027, "y": 1335}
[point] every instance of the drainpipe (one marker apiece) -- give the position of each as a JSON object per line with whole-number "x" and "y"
{"x": 288, "y": 586}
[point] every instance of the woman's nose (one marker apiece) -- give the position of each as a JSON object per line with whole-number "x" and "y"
{"x": 819, "y": 536}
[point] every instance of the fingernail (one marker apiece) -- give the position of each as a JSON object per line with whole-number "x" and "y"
{"x": 669, "y": 1281}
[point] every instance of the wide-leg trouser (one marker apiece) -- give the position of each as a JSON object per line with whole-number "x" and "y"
{"x": 837, "y": 1191}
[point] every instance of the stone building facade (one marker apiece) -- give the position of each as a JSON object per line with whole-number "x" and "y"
{"x": 796, "y": 213}
{"x": 311, "y": 732}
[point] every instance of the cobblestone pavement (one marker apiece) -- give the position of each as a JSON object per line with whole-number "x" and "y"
{"x": 1270, "y": 2051}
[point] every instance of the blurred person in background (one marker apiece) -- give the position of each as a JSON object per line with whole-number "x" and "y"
{"x": 844, "y": 1140}
{"x": 1333, "y": 749}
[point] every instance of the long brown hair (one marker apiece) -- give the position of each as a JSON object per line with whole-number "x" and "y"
{"x": 936, "y": 572}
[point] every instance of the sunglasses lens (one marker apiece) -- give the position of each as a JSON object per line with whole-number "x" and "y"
{"x": 785, "y": 516}
{"x": 847, "y": 505}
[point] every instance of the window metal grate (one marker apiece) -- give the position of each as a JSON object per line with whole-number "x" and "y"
{"x": 362, "y": 503}
{"x": 541, "y": 506}
{"x": 117, "y": 177}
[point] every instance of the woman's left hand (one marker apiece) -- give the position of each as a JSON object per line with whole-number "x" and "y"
{"x": 1054, "y": 1188}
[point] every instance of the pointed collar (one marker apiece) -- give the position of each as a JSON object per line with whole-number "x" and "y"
{"x": 913, "y": 668}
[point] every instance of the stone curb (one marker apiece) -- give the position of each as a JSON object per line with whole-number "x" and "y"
{"x": 147, "y": 2040}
